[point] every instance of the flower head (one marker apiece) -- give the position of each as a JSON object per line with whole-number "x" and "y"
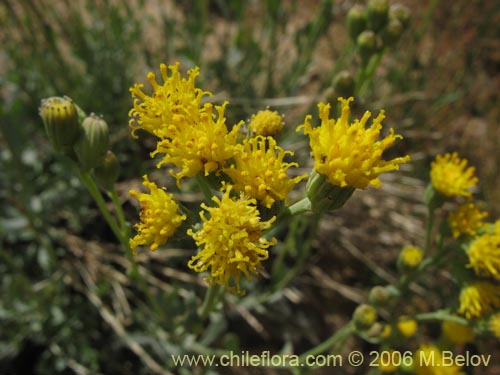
{"x": 479, "y": 299}
{"x": 495, "y": 325}
{"x": 349, "y": 154}
{"x": 266, "y": 123}
{"x": 205, "y": 146}
{"x": 192, "y": 136}
{"x": 451, "y": 177}
{"x": 408, "y": 327}
{"x": 172, "y": 106}
{"x": 159, "y": 217}
{"x": 428, "y": 360}
{"x": 231, "y": 241}
{"x": 466, "y": 219}
{"x": 259, "y": 170}
{"x": 484, "y": 254}
{"x": 410, "y": 258}
{"x": 457, "y": 333}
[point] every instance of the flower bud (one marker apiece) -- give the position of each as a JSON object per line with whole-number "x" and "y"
{"x": 266, "y": 123}
{"x": 379, "y": 296}
{"x": 344, "y": 84}
{"x": 377, "y": 14}
{"x": 409, "y": 259}
{"x": 401, "y": 13}
{"x": 107, "y": 173}
{"x": 60, "y": 118}
{"x": 367, "y": 44}
{"x": 93, "y": 144}
{"x": 324, "y": 196}
{"x": 356, "y": 21}
{"x": 364, "y": 317}
{"x": 392, "y": 32}
{"x": 407, "y": 326}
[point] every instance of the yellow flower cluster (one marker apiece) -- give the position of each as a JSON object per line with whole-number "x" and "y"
{"x": 231, "y": 241}
{"x": 191, "y": 136}
{"x": 484, "y": 253}
{"x": 467, "y": 219}
{"x": 259, "y": 170}
{"x": 266, "y": 123}
{"x": 159, "y": 217}
{"x": 451, "y": 177}
{"x": 349, "y": 154}
{"x": 479, "y": 299}
{"x": 422, "y": 365}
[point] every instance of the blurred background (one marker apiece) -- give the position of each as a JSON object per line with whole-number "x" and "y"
{"x": 67, "y": 304}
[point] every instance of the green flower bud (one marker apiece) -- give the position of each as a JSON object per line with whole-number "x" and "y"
{"x": 367, "y": 44}
{"x": 400, "y": 13}
{"x": 93, "y": 144}
{"x": 356, "y": 21}
{"x": 377, "y": 14}
{"x": 344, "y": 84}
{"x": 107, "y": 173}
{"x": 392, "y": 32}
{"x": 60, "y": 118}
{"x": 364, "y": 317}
{"x": 324, "y": 196}
{"x": 379, "y": 296}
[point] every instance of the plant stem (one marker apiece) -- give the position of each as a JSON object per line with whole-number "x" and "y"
{"x": 205, "y": 189}
{"x": 338, "y": 338}
{"x": 211, "y": 298}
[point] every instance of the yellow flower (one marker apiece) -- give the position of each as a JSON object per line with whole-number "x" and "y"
{"x": 484, "y": 254}
{"x": 205, "y": 146}
{"x": 172, "y": 106}
{"x": 466, "y": 219}
{"x": 348, "y": 154}
{"x": 192, "y": 137}
{"x": 495, "y": 325}
{"x": 457, "y": 333}
{"x": 451, "y": 177}
{"x": 479, "y": 299}
{"x": 159, "y": 217}
{"x": 266, "y": 123}
{"x": 428, "y": 360}
{"x": 231, "y": 240}
{"x": 260, "y": 172}
{"x": 408, "y": 327}
{"x": 410, "y": 258}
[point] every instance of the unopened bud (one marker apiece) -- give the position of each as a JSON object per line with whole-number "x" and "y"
{"x": 266, "y": 123}
{"x": 60, "y": 118}
{"x": 356, "y": 21}
{"x": 392, "y": 32}
{"x": 379, "y": 296}
{"x": 367, "y": 44}
{"x": 401, "y": 13}
{"x": 344, "y": 84}
{"x": 409, "y": 259}
{"x": 94, "y": 142}
{"x": 377, "y": 14}
{"x": 364, "y": 317}
{"x": 107, "y": 173}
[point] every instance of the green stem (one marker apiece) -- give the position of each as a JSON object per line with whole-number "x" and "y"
{"x": 122, "y": 236}
{"x": 205, "y": 189}
{"x": 442, "y": 315}
{"x": 211, "y": 298}
{"x": 338, "y": 338}
{"x": 119, "y": 211}
{"x": 428, "y": 230}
